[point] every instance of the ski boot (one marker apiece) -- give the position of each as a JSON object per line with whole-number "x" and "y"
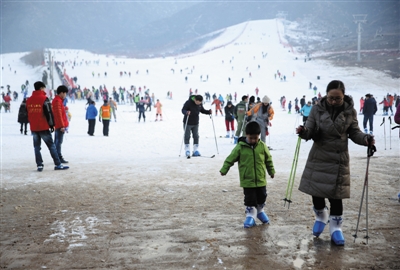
{"x": 187, "y": 150}
{"x": 261, "y": 215}
{"x": 250, "y": 215}
{"x": 321, "y": 219}
{"x": 196, "y": 152}
{"x": 335, "y": 229}
{"x": 366, "y": 130}
{"x": 235, "y": 140}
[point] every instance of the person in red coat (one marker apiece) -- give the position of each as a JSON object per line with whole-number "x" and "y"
{"x": 217, "y": 103}
{"x": 60, "y": 119}
{"x": 41, "y": 119}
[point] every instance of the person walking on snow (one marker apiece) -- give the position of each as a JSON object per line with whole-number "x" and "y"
{"x": 305, "y": 111}
{"x": 369, "y": 110}
{"x": 61, "y": 122}
{"x": 141, "y": 108}
{"x": 220, "y": 97}
{"x": 290, "y": 107}
{"x": 23, "y": 116}
{"x": 41, "y": 119}
{"x": 191, "y": 110}
{"x": 254, "y": 159}
{"x": 158, "y": 107}
{"x": 240, "y": 114}
{"x": 91, "y": 114}
{"x": 362, "y": 101}
{"x": 229, "y": 119}
{"x": 218, "y": 104}
{"x": 105, "y": 116}
{"x": 262, "y": 113}
{"x": 331, "y": 123}
{"x": 113, "y": 106}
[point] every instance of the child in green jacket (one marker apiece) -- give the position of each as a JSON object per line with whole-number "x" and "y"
{"x": 254, "y": 160}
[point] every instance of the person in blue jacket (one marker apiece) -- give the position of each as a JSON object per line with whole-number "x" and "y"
{"x": 305, "y": 111}
{"x": 91, "y": 114}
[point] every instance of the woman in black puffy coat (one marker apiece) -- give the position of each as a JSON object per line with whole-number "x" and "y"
{"x": 23, "y": 116}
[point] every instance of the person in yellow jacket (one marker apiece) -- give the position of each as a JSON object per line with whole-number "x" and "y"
{"x": 262, "y": 113}
{"x": 105, "y": 116}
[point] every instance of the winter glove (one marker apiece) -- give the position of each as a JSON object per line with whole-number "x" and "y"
{"x": 99, "y": 119}
{"x": 248, "y": 118}
{"x": 210, "y": 111}
{"x": 51, "y": 129}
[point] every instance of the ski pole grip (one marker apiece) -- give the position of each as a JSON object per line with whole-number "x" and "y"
{"x": 371, "y": 148}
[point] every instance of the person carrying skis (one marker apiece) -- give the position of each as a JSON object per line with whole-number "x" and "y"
{"x": 254, "y": 159}
{"x": 331, "y": 123}
{"x": 262, "y": 113}
{"x": 239, "y": 114}
{"x": 218, "y": 104}
{"x": 191, "y": 110}
{"x": 229, "y": 119}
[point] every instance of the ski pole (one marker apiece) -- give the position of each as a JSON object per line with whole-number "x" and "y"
{"x": 296, "y": 122}
{"x": 390, "y": 132}
{"x": 215, "y": 136}
{"x": 370, "y": 152}
{"x": 384, "y": 130}
{"x": 292, "y": 175}
{"x": 269, "y": 138}
{"x": 184, "y": 132}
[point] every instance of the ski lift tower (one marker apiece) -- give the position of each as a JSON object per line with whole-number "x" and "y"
{"x": 359, "y": 18}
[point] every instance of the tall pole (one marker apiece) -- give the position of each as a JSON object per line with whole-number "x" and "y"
{"x": 359, "y": 18}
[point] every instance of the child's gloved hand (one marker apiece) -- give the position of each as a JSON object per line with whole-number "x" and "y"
{"x": 222, "y": 173}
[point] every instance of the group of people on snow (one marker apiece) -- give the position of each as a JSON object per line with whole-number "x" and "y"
{"x": 326, "y": 174}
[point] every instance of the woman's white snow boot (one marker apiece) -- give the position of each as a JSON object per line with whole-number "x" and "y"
{"x": 335, "y": 229}
{"x": 321, "y": 219}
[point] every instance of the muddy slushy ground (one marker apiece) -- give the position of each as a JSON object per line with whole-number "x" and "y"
{"x": 181, "y": 214}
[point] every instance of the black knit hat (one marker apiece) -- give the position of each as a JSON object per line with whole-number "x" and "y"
{"x": 62, "y": 89}
{"x": 38, "y": 85}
